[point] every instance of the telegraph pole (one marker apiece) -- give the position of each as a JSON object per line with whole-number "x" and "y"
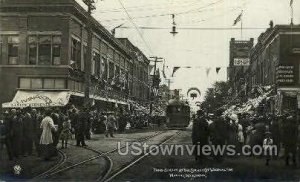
{"x": 156, "y": 60}
{"x": 88, "y": 59}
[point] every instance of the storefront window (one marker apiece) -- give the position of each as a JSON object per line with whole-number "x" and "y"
{"x": 60, "y": 84}
{"x": 48, "y": 83}
{"x": 36, "y": 83}
{"x": 42, "y": 83}
{"x": 44, "y": 50}
{"x": 25, "y": 83}
{"x": 13, "y": 49}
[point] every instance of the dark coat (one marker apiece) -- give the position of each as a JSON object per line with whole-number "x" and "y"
{"x": 27, "y": 126}
{"x": 200, "y": 131}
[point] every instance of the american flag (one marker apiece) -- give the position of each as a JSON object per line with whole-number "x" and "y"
{"x": 239, "y": 18}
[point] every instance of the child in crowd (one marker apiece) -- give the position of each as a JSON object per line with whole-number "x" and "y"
{"x": 267, "y": 145}
{"x": 66, "y": 133}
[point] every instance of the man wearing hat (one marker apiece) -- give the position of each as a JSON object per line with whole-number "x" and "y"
{"x": 199, "y": 133}
{"x": 111, "y": 124}
{"x": 81, "y": 126}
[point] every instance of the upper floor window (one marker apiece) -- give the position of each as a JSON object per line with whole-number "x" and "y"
{"x": 13, "y": 49}
{"x": 44, "y": 50}
{"x": 76, "y": 54}
{"x": 95, "y": 66}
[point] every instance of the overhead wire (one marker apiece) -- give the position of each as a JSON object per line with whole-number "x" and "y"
{"x": 140, "y": 8}
{"x": 136, "y": 27}
{"x": 199, "y": 9}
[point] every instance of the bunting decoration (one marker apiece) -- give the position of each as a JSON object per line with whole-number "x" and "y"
{"x": 175, "y": 69}
{"x": 218, "y": 69}
{"x": 207, "y": 71}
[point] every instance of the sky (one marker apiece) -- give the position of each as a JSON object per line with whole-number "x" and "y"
{"x": 200, "y": 49}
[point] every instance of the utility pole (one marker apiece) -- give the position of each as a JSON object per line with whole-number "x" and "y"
{"x": 169, "y": 87}
{"x": 88, "y": 59}
{"x": 156, "y": 60}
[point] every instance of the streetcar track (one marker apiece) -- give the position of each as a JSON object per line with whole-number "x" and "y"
{"x": 130, "y": 164}
{"x": 52, "y": 171}
{"x": 62, "y": 160}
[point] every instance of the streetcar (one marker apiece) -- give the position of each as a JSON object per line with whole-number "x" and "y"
{"x": 178, "y": 114}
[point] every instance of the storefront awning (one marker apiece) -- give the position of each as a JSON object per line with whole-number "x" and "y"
{"x": 38, "y": 99}
{"x": 100, "y": 98}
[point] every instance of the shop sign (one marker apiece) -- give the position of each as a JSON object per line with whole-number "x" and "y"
{"x": 241, "y": 61}
{"x": 285, "y": 74}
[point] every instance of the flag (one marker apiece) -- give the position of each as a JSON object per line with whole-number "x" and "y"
{"x": 207, "y": 71}
{"x": 239, "y": 18}
{"x": 175, "y": 69}
{"x": 218, "y": 69}
{"x": 291, "y": 2}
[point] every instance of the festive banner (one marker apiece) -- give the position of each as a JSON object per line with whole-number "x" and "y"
{"x": 175, "y": 69}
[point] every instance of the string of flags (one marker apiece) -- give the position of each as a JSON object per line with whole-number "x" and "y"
{"x": 207, "y": 69}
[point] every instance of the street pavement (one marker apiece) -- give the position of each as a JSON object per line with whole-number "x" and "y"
{"x": 90, "y": 170}
{"x": 78, "y": 166}
{"x": 161, "y": 168}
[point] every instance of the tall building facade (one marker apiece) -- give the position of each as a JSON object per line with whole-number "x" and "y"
{"x": 44, "y": 48}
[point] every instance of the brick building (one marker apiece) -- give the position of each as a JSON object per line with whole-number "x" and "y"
{"x": 238, "y": 63}
{"x": 43, "y": 48}
{"x": 274, "y": 63}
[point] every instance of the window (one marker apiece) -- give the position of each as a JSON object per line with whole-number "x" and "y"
{"x": 13, "y": 49}
{"x": 25, "y": 83}
{"x": 111, "y": 70}
{"x": 1, "y": 42}
{"x": 36, "y": 83}
{"x": 32, "y": 44}
{"x": 103, "y": 68}
{"x": 56, "y": 47}
{"x": 49, "y": 83}
{"x": 84, "y": 57}
{"x": 76, "y": 54}
{"x": 42, "y": 83}
{"x": 60, "y": 84}
{"x": 44, "y": 50}
{"x": 95, "y": 66}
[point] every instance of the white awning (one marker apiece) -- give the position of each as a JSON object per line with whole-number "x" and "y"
{"x": 96, "y": 97}
{"x": 38, "y": 99}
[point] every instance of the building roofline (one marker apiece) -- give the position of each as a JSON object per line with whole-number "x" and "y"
{"x": 66, "y": 3}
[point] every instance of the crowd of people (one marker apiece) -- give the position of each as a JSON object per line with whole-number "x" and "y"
{"x": 28, "y": 129}
{"x": 265, "y": 130}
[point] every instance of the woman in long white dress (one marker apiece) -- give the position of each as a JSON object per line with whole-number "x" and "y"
{"x": 46, "y": 140}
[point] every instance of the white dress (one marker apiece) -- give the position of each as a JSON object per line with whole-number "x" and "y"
{"x": 47, "y": 125}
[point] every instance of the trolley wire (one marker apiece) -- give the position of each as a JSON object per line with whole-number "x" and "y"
{"x": 136, "y": 27}
{"x": 196, "y": 10}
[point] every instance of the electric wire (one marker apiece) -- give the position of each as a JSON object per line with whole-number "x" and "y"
{"x": 136, "y": 27}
